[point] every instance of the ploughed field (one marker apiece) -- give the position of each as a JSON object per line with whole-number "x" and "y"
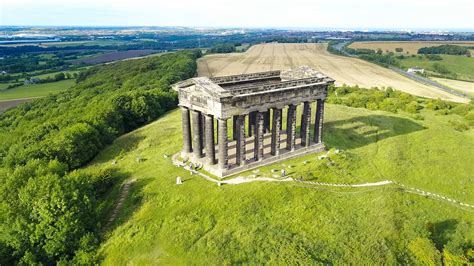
{"x": 408, "y": 46}
{"x": 344, "y": 70}
{"x": 114, "y": 56}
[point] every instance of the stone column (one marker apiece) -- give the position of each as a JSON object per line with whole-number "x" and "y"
{"x": 240, "y": 156}
{"x": 197, "y": 138}
{"x": 222, "y": 161}
{"x": 291, "y": 127}
{"x": 266, "y": 121}
{"x": 318, "y": 124}
{"x": 251, "y": 128}
{"x": 186, "y": 122}
{"x": 203, "y": 126}
{"x": 276, "y": 127}
{"x": 305, "y": 124}
{"x": 258, "y": 144}
{"x": 209, "y": 137}
{"x": 234, "y": 127}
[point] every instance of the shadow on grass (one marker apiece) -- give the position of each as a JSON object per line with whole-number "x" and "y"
{"x": 363, "y": 130}
{"x": 441, "y": 232}
{"x": 119, "y": 148}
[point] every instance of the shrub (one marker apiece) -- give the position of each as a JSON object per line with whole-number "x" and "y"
{"x": 412, "y": 107}
{"x": 458, "y": 125}
{"x": 440, "y": 68}
{"x": 470, "y": 118}
{"x": 391, "y": 105}
{"x": 425, "y": 251}
{"x": 434, "y": 57}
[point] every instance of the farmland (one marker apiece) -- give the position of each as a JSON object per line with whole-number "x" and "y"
{"x": 35, "y": 90}
{"x": 113, "y": 56}
{"x": 409, "y": 46}
{"x": 463, "y": 86}
{"x": 344, "y": 70}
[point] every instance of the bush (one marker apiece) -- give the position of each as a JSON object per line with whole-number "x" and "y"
{"x": 418, "y": 117}
{"x": 470, "y": 118}
{"x": 412, "y": 107}
{"x": 433, "y": 57}
{"x": 425, "y": 251}
{"x": 458, "y": 125}
{"x": 440, "y": 68}
{"x": 391, "y": 105}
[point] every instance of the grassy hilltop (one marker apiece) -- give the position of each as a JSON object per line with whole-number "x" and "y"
{"x": 72, "y": 189}
{"x": 202, "y": 223}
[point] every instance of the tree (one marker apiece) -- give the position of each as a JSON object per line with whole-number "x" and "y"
{"x": 47, "y": 211}
{"x": 59, "y": 76}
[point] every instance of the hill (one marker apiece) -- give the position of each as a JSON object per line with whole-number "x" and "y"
{"x": 49, "y": 212}
{"x": 345, "y": 70}
{"x": 290, "y": 222}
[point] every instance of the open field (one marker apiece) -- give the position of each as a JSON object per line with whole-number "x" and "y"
{"x": 462, "y": 66}
{"x": 202, "y": 223}
{"x": 351, "y": 71}
{"x": 35, "y": 90}
{"x": 463, "y": 86}
{"x": 408, "y": 46}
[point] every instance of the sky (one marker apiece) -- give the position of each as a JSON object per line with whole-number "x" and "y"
{"x": 327, "y": 14}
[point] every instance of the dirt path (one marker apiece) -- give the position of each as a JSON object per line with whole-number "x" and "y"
{"x": 246, "y": 179}
{"x": 124, "y": 190}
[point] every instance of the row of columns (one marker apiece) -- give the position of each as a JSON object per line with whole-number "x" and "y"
{"x": 259, "y": 123}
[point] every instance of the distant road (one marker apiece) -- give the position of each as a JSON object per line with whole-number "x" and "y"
{"x": 415, "y": 77}
{"x": 428, "y": 82}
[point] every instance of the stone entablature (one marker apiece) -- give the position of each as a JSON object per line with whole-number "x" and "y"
{"x": 260, "y": 97}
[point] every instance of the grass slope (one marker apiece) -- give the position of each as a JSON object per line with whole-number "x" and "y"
{"x": 199, "y": 222}
{"x": 36, "y": 90}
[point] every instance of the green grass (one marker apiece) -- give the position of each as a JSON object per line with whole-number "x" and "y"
{"x": 35, "y": 90}
{"x": 287, "y": 223}
{"x": 51, "y": 75}
{"x": 4, "y": 86}
{"x": 461, "y": 65}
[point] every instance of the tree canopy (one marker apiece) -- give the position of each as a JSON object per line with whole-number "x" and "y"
{"x": 49, "y": 210}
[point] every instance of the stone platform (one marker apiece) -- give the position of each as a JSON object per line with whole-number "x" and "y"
{"x": 252, "y": 163}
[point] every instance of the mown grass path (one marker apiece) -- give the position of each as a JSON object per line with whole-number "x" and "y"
{"x": 245, "y": 179}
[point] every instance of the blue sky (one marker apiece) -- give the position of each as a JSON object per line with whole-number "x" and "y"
{"x": 338, "y": 14}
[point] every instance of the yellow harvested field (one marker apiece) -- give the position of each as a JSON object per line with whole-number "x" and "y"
{"x": 462, "y": 86}
{"x": 344, "y": 70}
{"x": 408, "y": 46}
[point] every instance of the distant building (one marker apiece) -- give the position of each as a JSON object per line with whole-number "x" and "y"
{"x": 31, "y": 81}
{"x": 3, "y": 72}
{"x": 416, "y": 70}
